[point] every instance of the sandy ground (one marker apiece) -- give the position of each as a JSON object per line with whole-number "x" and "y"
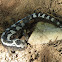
{"x": 13, "y": 10}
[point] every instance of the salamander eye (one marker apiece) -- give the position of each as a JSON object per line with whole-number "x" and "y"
{"x": 18, "y": 42}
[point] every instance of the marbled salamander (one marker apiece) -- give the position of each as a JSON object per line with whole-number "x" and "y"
{"x": 19, "y": 25}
